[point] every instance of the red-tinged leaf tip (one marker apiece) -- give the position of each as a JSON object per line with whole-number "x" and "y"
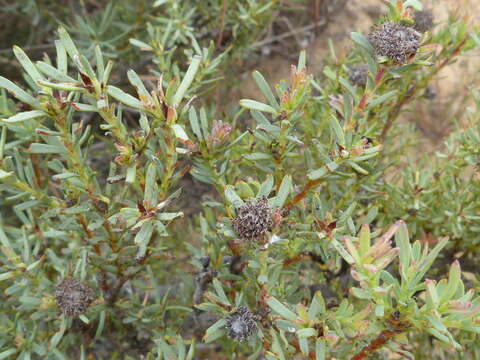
{"x": 379, "y": 75}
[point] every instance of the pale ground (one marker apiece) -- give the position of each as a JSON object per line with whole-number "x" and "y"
{"x": 433, "y": 118}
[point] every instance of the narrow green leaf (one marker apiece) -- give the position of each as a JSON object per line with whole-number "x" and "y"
{"x": 266, "y": 187}
{"x": 99, "y": 61}
{"x": 195, "y": 124}
{"x": 218, "y": 325}
{"x": 54, "y": 73}
{"x": 62, "y": 63}
{"x": 84, "y": 107}
{"x": 454, "y": 280}
{"x": 364, "y": 240}
{"x": 7, "y": 275}
{"x": 84, "y": 318}
{"x": 180, "y": 132}
{"x": 304, "y": 348}
{"x": 257, "y": 156}
{"x": 143, "y": 238}
{"x": 381, "y": 99}
{"x": 417, "y": 5}
{"x": 283, "y": 192}
{"x": 320, "y": 349}
{"x": 265, "y": 89}
{"x": 337, "y": 131}
{"x": 372, "y": 214}
{"x": 7, "y": 353}
{"x": 426, "y": 262}
{"x": 403, "y": 242}
{"x": 220, "y": 292}
{"x": 101, "y": 324}
{"x": 432, "y": 294}
{"x": 55, "y": 340}
{"x": 27, "y": 64}
{"x": 26, "y": 205}
{"x": 379, "y": 310}
{"x": 138, "y": 84}
{"x": 131, "y": 174}
{"x": 17, "y": 92}
{"x": 215, "y": 331}
{"x": 145, "y": 233}
{"x": 106, "y": 73}
{"x": 277, "y": 345}
{"x": 204, "y": 122}
{"x": 305, "y": 333}
{"x": 26, "y": 115}
{"x": 349, "y": 88}
{"x": 281, "y": 309}
{"x": 62, "y": 86}
{"x": 187, "y": 80}
{"x": 302, "y": 60}
{"x": 140, "y": 44}
{"x": 437, "y": 324}
{"x": 233, "y": 197}
{"x": 317, "y": 306}
{"x": 123, "y": 97}
{"x": 361, "y": 293}
{"x": 319, "y": 173}
{"x": 68, "y": 43}
{"x": 166, "y": 216}
{"x": 191, "y": 351}
{"x": 361, "y": 40}
{"x": 150, "y": 196}
{"x": 255, "y": 105}
{"x": 36, "y": 148}
{"x": 3, "y": 140}
{"x": 343, "y": 253}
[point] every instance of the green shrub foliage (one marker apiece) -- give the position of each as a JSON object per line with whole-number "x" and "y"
{"x": 138, "y": 222}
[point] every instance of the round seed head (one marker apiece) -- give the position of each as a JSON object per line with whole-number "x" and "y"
{"x": 399, "y": 43}
{"x": 73, "y": 297}
{"x": 423, "y": 20}
{"x": 358, "y": 75}
{"x": 241, "y": 324}
{"x": 253, "y": 219}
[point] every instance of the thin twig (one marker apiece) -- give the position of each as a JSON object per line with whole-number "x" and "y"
{"x": 29, "y": 48}
{"x": 222, "y": 23}
{"x": 311, "y": 184}
{"x": 396, "y": 326}
{"x": 285, "y": 35}
{"x": 292, "y": 29}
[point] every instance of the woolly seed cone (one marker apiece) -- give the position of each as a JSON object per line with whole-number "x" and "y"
{"x": 241, "y": 324}
{"x": 399, "y": 43}
{"x": 423, "y": 20}
{"x": 73, "y": 297}
{"x": 253, "y": 219}
{"x": 358, "y": 74}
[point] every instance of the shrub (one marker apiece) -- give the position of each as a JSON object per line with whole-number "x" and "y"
{"x": 303, "y": 243}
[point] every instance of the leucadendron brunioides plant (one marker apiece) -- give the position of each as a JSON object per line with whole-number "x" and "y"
{"x": 304, "y": 247}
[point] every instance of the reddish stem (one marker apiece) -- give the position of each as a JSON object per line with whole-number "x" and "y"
{"x": 311, "y": 184}
{"x": 384, "y": 337}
